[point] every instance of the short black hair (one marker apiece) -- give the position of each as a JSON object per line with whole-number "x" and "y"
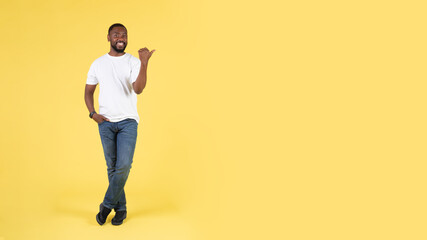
{"x": 115, "y": 25}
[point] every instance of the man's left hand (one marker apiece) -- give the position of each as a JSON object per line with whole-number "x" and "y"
{"x": 145, "y": 54}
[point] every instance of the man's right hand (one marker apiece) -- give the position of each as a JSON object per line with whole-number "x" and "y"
{"x": 99, "y": 118}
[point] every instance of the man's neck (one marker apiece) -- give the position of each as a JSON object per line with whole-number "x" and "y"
{"x": 116, "y": 54}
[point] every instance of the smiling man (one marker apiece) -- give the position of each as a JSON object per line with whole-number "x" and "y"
{"x": 121, "y": 77}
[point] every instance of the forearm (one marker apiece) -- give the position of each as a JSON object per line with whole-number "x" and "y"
{"x": 141, "y": 80}
{"x": 89, "y": 101}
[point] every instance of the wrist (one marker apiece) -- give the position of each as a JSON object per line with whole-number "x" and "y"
{"x": 92, "y": 113}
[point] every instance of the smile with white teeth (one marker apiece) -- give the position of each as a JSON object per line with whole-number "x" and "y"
{"x": 120, "y": 44}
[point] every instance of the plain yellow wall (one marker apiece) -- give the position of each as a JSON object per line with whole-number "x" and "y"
{"x": 260, "y": 120}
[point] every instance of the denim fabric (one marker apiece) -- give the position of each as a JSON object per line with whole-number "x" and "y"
{"x": 118, "y": 140}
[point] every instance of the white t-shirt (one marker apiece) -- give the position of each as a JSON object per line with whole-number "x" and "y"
{"x": 115, "y": 75}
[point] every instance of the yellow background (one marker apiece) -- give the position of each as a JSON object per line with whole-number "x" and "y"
{"x": 260, "y": 120}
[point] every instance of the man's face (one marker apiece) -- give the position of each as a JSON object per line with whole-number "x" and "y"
{"x": 118, "y": 39}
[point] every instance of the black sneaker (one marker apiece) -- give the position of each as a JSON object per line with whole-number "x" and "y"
{"x": 101, "y": 217}
{"x": 118, "y": 219}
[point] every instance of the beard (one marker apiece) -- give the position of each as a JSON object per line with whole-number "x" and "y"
{"x": 119, "y": 50}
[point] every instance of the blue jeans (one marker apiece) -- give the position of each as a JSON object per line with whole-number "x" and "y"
{"x": 118, "y": 140}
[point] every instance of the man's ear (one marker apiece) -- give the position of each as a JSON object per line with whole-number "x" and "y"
{"x": 108, "y": 37}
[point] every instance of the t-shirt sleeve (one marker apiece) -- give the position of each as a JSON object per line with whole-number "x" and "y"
{"x": 91, "y": 75}
{"x": 136, "y": 65}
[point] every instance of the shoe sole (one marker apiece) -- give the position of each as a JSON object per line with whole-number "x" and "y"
{"x": 116, "y": 223}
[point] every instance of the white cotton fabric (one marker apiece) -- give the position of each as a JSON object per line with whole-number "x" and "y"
{"x": 115, "y": 75}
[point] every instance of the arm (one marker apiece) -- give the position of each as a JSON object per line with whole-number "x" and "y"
{"x": 141, "y": 80}
{"x": 89, "y": 90}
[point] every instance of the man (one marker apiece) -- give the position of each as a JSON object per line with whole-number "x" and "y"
{"x": 121, "y": 77}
